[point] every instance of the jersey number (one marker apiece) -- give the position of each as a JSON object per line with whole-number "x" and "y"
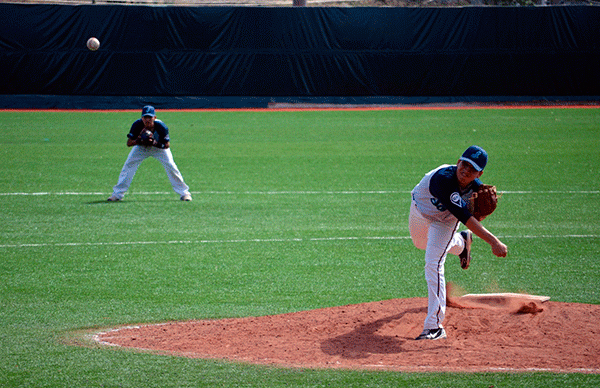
{"x": 438, "y": 205}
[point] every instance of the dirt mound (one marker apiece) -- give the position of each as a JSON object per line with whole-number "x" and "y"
{"x": 505, "y": 335}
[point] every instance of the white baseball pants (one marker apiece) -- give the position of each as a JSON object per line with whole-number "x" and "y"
{"x": 136, "y": 156}
{"x": 437, "y": 239}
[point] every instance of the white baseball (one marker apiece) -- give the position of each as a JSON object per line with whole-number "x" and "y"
{"x": 93, "y": 44}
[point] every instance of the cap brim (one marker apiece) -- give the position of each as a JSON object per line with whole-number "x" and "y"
{"x": 472, "y": 163}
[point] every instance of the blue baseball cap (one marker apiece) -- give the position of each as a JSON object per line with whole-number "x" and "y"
{"x": 476, "y": 156}
{"x": 148, "y": 111}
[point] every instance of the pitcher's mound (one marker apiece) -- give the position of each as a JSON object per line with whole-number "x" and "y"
{"x": 502, "y": 334}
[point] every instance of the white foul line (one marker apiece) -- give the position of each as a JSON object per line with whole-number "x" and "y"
{"x": 42, "y": 193}
{"x": 258, "y": 240}
{"x": 80, "y": 244}
{"x": 266, "y": 240}
{"x": 285, "y": 192}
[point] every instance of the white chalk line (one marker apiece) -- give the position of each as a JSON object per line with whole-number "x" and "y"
{"x": 284, "y": 192}
{"x": 213, "y": 193}
{"x": 263, "y": 240}
{"x": 183, "y": 242}
{"x": 223, "y": 241}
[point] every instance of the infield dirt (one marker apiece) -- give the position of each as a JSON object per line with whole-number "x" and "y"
{"x": 499, "y": 334}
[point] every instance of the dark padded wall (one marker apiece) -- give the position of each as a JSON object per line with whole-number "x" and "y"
{"x": 304, "y": 52}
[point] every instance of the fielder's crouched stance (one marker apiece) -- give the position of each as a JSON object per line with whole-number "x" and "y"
{"x": 440, "y": 201}
{"x": 149, "y": 137}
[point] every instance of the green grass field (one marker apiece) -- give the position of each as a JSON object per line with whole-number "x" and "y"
{"x": 292, "y": 211}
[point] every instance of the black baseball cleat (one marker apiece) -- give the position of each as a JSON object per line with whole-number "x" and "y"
{"x": 432, "y": 334}
{"x": 465, "y": 255}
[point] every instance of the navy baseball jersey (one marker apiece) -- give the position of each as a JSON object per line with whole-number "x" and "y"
{"x": 161, "y": 132}
{"x": 439, "y": 196}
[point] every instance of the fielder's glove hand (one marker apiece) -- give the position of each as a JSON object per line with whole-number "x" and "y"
{"x": 146, "y": 138}
{"x": 483, "y": 202}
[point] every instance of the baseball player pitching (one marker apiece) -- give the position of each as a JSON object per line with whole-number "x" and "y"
{"x": 149, "y": 137}
{"x": 440, "y": 202}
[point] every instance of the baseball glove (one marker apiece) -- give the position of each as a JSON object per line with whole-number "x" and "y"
{"x": 146, "y": 138}
{"x": 483, "y": 202}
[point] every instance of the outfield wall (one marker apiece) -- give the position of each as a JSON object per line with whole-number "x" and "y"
{"x": 250, "y": 56}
